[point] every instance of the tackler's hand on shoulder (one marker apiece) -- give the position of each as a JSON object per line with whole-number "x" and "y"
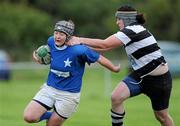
{"x": 74, "y": 41}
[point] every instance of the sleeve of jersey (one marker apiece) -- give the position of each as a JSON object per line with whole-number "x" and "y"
{"x": 50, "y": 41}
{"x": 90, "y": 56}
{"x": 123, "y": 37}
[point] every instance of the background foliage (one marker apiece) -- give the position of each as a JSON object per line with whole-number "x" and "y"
{"x": 26, "y": 24}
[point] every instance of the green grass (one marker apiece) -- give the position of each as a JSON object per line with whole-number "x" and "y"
{"x": 94, "y": 107}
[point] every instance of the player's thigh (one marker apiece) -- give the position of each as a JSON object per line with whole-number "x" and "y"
{"x": 34, "y": 110}
{"x": 67, "y": 104}
{"x": 121, "y": 92}
{"x": 55, "y": 120}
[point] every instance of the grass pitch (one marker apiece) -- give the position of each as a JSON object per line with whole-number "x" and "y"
{"x": 94, "y": 107}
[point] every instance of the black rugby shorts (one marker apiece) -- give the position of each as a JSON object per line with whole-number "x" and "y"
{"x": 158, "y": 89}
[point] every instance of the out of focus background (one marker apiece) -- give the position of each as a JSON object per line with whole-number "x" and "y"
{"x": 26, "y": 24}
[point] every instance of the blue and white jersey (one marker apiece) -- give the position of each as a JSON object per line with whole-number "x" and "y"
{"x": 142, "y": 49}
{"x": 68, "y": 64}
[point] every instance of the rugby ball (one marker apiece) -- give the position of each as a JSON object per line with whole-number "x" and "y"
{"x": 43, "y": 54}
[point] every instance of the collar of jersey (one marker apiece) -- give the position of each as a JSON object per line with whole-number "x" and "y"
{"x": 61, "y": 48}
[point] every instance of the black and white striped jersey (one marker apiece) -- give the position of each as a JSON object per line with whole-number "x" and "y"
{"x": 141, "y": 47}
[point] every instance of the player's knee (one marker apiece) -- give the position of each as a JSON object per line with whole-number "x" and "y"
{"x": 161, "y": 117}
{"x": 30, "y": 118}
{"x": 117, "y": 99}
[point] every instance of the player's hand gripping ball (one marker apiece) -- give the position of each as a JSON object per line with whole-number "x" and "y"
{"x": 43, "y": 54}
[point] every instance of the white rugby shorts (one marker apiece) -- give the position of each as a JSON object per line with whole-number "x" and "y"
{"x": 65, "y": 103}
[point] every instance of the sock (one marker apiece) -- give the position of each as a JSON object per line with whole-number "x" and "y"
{"x": 45, "y": 116}
{"x": 117, "y": 118}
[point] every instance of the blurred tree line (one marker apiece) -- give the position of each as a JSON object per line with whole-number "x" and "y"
{"x": 26, "y": 24}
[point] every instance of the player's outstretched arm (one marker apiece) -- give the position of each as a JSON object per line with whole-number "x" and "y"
{"x": 108, "y": 64}
{"x": 99, "y": 49}
{"x": 108, "y": 43}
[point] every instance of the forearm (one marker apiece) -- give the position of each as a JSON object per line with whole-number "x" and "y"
{"x": 99, "y": 50}
{"x": 96, "y": 43}
{"x": 108, "y": 64}
{"x": 107, "y": 44}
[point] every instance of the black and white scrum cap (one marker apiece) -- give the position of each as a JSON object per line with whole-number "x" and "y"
{"x": 128, "y": 17}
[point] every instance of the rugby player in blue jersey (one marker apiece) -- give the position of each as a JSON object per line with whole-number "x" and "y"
{"x": 61, "y": 92}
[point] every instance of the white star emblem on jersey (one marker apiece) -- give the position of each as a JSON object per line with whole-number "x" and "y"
{"x": 67, "y": 63}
